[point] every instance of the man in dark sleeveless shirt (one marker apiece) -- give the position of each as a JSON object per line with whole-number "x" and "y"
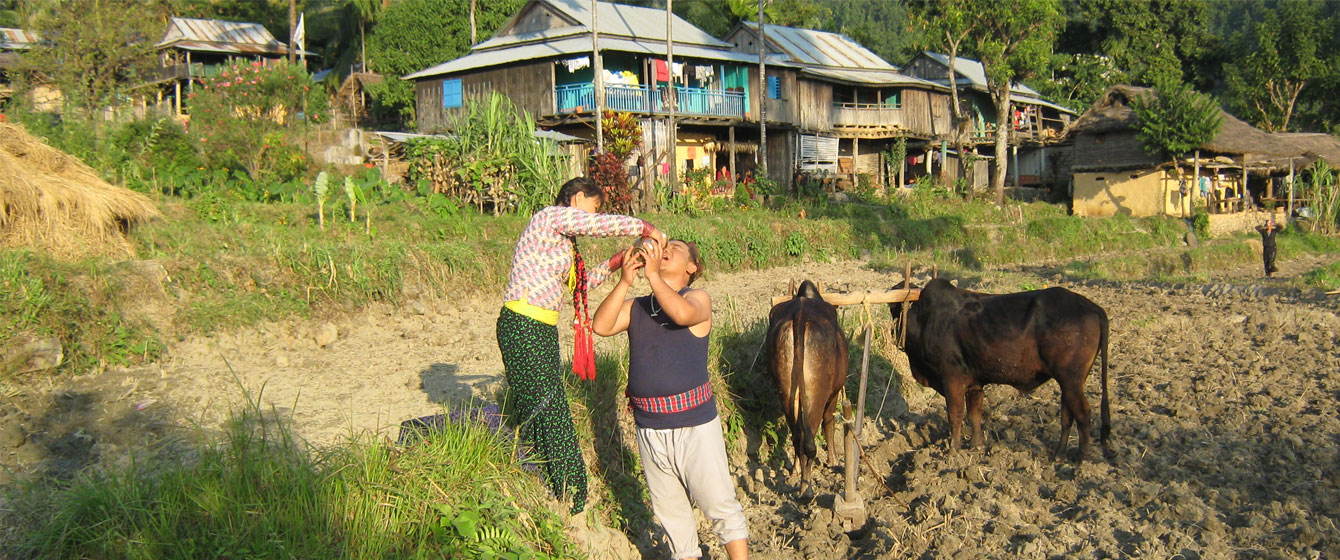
{"x": 1268, "y": 232}
{"x": 678, "y": 431}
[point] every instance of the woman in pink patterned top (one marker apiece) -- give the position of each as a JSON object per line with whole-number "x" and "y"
{"x": 547, "y": 265}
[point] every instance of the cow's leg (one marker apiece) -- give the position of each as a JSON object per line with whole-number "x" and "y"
{"x": 975, "y": 397}
{"x": 828, "y": 431}
{"x": 954, "y": 402}
{"x": 1072, "y": 398}
{"x": 1059, "y": 451}
{"x": 805, "y": 490}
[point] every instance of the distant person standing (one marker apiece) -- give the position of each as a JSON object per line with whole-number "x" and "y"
{"x": 1268, "y": 232}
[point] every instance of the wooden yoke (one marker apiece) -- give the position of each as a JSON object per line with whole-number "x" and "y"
{"x": 891, "y": 296}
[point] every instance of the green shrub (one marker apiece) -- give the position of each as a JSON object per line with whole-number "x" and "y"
{"x": 244, "y": 118}
{"x": 796, "y": 244}
{"x": 1325, "y": 278}
{"x": 492, "y": 161}
{"x": 1200, "y": 223}
{"x": 150, "y": 154}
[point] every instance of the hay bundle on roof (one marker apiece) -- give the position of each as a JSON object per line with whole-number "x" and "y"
{"x": 51, "y": 200}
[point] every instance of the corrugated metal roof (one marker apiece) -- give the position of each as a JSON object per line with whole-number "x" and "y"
{"x": 975, "y": 74}
{"x": 574, "y": 45}
{"x": 213, "y": 35}
{"x": 821, "y": 48}
{"x": 616, "y": 20}
{"x": 871, "y": 77}
{"x": 1040, "y": 101}
{"x": 17, "y": 39}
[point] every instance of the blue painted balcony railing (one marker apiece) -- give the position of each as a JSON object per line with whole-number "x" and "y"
{"x": 580, "y": 98}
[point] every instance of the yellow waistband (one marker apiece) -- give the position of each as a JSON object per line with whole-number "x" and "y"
{"x": 521, "y": 306}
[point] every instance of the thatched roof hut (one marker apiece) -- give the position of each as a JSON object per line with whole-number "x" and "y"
{"x": 1312, "y": 146}
{"x": 1105, "y": 136}
{"x": 51, "y": 200}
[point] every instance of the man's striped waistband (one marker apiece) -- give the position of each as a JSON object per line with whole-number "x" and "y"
{"x": 674, "y": 403}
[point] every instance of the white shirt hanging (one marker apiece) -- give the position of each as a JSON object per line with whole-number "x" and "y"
{"x": 575, "y": 64}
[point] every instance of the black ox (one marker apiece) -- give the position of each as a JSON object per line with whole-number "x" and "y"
{"x": 958, "y": 341}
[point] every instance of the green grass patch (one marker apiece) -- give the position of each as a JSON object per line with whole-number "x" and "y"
{"x": 258, "y": 492}
{"x": 78, "y": 303}
{"x": 1325, "y": 278}
{"x": 930, "y": 227}
{"x": 231, "y": 263}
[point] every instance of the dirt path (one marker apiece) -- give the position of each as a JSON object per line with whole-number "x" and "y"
{"x": 1224, "y": 443}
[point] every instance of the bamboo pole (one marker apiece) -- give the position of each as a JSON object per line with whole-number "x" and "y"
{"x": 673, "y": 143}
{"x": 762, "y": 156}
{"x": 598, "y": 68}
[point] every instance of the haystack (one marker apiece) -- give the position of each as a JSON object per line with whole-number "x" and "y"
{"x": 52, "y": 201}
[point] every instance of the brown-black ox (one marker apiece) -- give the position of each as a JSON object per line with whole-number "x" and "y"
{"x": 959, "y": 341}
{"x": 807, "y": 356}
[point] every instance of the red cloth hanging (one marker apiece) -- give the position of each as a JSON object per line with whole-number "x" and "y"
{"x": 662, "y": 71}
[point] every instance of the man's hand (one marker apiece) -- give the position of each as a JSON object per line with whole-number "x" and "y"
{"x": 632, "y": 260}
{"x": 652, "y": 262}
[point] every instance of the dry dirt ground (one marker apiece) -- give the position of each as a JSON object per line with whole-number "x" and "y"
{"x": 1224, "y": 437}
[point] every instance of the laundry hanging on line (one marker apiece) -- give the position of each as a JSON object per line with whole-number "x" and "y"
{"x": 575, "y": 64}
{"x": 704, "y": 73}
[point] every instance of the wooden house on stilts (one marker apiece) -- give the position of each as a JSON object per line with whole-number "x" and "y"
{"x": 542, "y": 60}
{"x": 839, "y": 107}
{"x": 1036, "y": 124}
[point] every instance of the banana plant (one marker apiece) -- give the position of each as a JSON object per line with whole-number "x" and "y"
{"x": 321, "y": 188}
{"x": 351, "y": 191}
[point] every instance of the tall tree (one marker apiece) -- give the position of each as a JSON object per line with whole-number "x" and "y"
{"x": 883, "y": 26}
{"x": 9, "y": 14}
{"x": 97, "y": 56}
{"x": 948, "y": 24}
{"x": 412, "y": 35}
{"x": 368, "y": 11}
{"x": 1175, "y": 120}
{"x": 1152, "y": 41}
{"x": 809, "y": 14}
{"x": 1281, "y": 55}
{"x": 1013, "y": 39}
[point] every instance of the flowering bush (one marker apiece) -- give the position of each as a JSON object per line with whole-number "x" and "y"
{"x": 623, "y": 136}
{"x": 242, "y": 118}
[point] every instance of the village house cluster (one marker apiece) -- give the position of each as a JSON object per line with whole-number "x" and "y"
{"x": 830, "y": 104}
{"x": 833, "y": 108}
{"x": 828, "y": 108}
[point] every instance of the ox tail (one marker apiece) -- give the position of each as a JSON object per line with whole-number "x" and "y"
{"x": 1107, "y": 416}
{"x": 805, "y": 443}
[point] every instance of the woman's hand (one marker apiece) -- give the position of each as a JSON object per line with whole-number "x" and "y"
{"x": 651, "y": 231}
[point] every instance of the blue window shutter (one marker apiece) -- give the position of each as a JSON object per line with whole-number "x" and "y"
{"x": 451, "y": 94}
{"x": 774, "y": 87}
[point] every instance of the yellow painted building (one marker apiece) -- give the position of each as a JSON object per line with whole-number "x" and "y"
{"x": 1149, "y": 192}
